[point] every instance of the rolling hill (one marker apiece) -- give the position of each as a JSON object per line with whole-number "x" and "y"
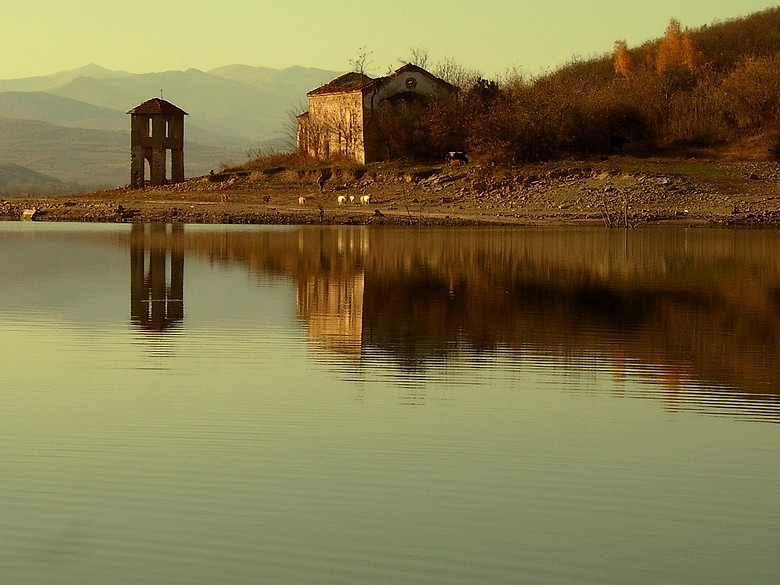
{"x": 73, "y": 125}
{"x": 18, "y": 180}
{"x": 85, "y": 157}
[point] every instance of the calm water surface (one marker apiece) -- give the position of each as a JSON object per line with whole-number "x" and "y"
{"x": 222, "y": 405}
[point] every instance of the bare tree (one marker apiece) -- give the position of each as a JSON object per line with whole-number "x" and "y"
{"x": 417, "y": 56}
{"x": 456, "y": 74}
{"x": 362, "y": 61}
{"x": 292, "y": 123}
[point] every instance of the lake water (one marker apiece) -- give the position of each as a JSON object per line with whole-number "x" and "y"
{"x": 225, "y": 405}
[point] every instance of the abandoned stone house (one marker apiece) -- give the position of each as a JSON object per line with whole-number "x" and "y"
{"x": 350, "y": 117}
{"x": 156, "y": 128}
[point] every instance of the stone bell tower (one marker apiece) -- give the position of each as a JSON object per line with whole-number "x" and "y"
{"x": 156, "y": 127}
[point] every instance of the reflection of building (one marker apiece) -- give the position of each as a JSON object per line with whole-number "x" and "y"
{"x": 417, "y": 297}
{"x": 156, "y": 127}
{"x": 156, "y": 294}
{"x": 331, "y": 291}
{"x": 333, "y": 309}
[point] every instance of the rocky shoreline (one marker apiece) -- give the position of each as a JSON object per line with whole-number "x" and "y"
{"x": 612, "y": 193}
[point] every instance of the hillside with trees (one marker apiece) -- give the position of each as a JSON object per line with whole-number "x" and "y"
{"x": 16, "y": 180}
{"x": 715, "y": 89}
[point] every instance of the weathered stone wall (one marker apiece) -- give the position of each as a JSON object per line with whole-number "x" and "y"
{"x": 151, "y": 137}
{"x": 335, "y": 126}
{"x": 345, "y": 124}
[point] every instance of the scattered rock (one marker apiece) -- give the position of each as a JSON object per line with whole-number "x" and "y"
{"x": 746, "y": 193}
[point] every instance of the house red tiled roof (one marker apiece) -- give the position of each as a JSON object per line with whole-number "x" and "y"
{"x": 355, "y": 81}
{"x": 343, "y": 84}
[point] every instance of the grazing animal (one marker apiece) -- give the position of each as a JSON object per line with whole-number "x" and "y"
{"x": 457, "y": 157}
{"x": 225, "y": 197}
{"x": 301, "y": 200}
{"x": 351, "y": 198}
{"x": 342, "y": 199}
{"x": 365, "y": 199}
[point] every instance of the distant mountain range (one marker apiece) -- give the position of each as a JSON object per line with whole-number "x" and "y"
{"x": 73, "y": 127}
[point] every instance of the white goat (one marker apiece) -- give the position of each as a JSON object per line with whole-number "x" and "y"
{"x": 342, "y": 199}
{"x": 301, "y": 200}
{"x": 365, "y": 199}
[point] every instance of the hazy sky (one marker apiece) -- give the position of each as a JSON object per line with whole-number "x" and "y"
{"x": 492, "y": 36}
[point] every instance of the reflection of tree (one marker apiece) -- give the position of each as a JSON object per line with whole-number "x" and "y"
{"x": 702, "y": 303}
{"x": 156, "y": 303}
{"x": 411, "y": 316}
{"x": 419, "y": 318}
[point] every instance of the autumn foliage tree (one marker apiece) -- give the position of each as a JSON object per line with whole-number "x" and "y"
{"x": 676, "y": 50}
{"x": 624, "y": 62}
{"x": 752, "y": 93}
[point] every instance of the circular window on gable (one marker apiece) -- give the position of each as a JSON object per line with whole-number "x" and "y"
{"x": 411, "y": 83}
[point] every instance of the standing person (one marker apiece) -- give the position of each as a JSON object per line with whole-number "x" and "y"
{"x": 321, "y": 181}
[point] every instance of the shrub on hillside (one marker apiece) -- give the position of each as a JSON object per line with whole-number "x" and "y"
{"x": 752, "y": 92}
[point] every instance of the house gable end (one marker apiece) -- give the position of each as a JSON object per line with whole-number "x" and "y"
{"x": 409, "y": 79}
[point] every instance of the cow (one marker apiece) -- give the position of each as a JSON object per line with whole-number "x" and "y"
{"x": 457, "y": 158}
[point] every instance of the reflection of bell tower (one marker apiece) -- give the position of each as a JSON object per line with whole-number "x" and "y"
{"x": 156, "y": 301}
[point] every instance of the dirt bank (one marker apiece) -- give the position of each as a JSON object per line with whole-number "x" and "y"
{"x": 613, "y": 192}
